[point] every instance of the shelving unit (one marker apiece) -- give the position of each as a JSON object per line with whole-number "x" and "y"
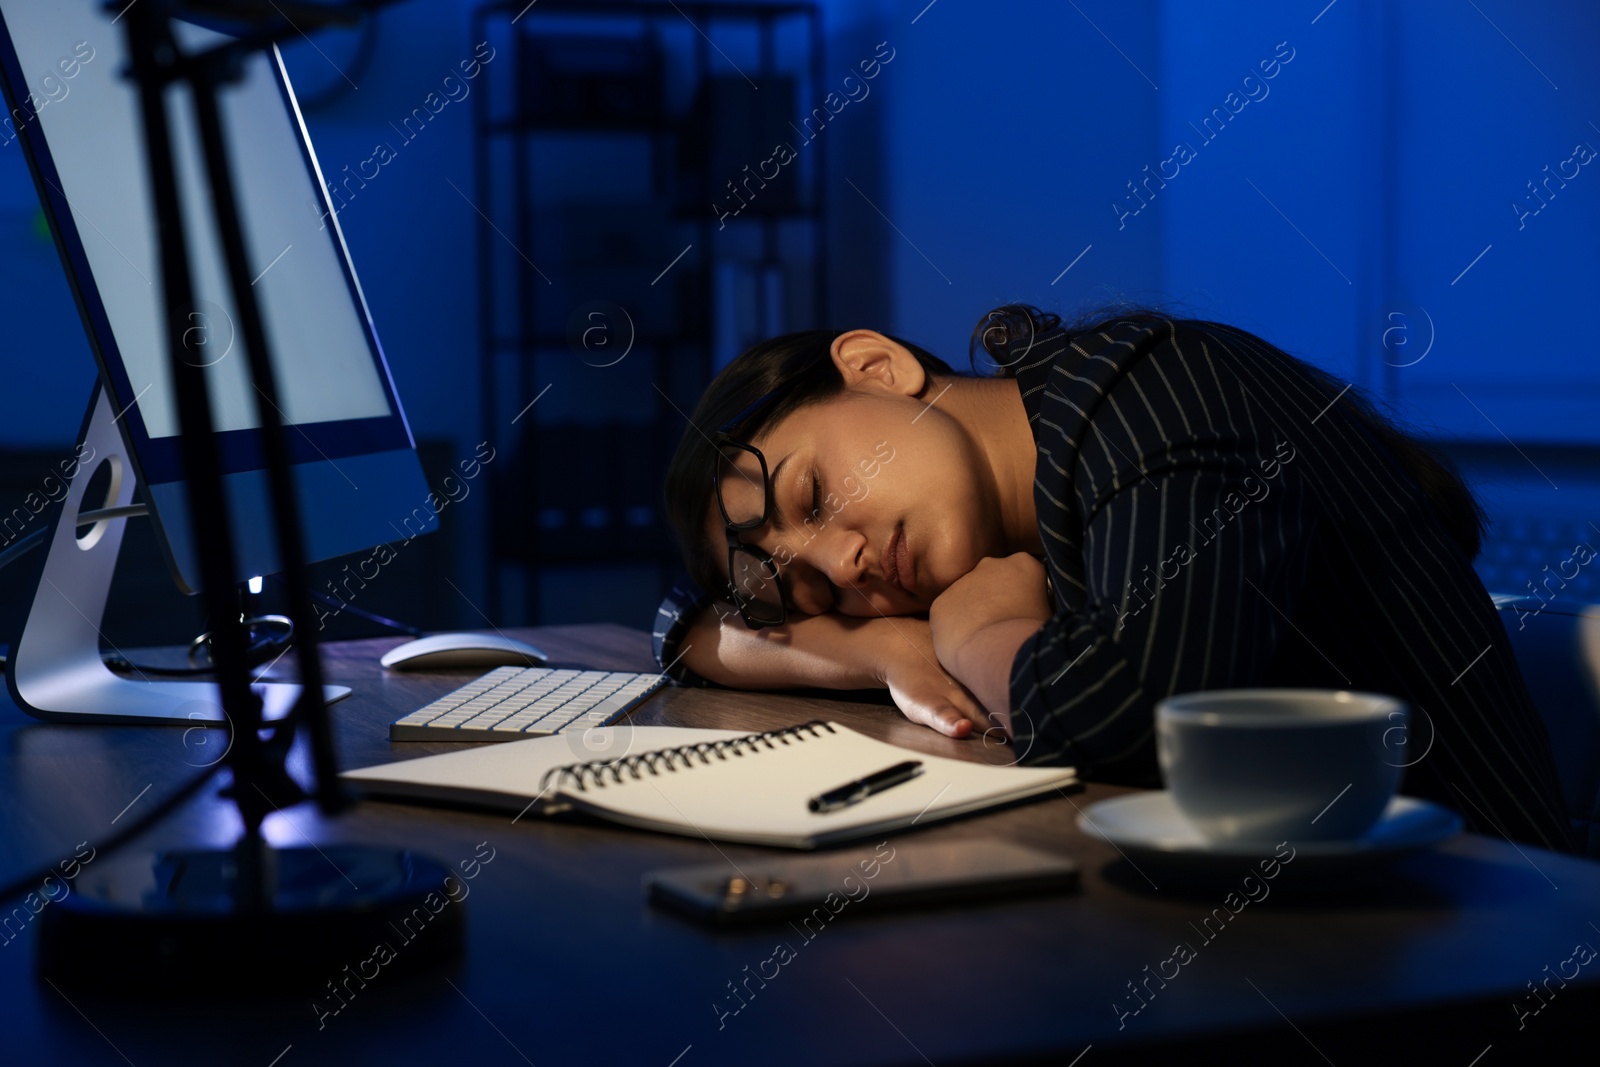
{"x": 612, "y": 285}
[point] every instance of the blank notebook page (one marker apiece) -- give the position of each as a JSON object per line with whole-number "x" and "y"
{"x": 762, "y": 796}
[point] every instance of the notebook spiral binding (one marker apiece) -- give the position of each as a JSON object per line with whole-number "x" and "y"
{"x": 595, "y": 772}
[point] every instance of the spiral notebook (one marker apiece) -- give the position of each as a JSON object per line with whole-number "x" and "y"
{"x": 719, "y": 784}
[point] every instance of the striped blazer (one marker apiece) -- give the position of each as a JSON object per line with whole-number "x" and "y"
{"x": 1213, "y": 517}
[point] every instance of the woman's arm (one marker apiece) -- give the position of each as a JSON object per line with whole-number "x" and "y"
{"x": 834, "y": 652}
{"x": 980, "y": 622}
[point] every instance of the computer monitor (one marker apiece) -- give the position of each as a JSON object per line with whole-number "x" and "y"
{"x": 76, "y": 114}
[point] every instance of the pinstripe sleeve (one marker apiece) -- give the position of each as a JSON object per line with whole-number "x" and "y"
{"x": 1195, "y": 529}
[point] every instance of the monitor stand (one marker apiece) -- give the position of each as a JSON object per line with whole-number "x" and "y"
{"x": 55, "y": 671}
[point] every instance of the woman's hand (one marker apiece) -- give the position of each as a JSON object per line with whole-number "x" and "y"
{"x": 922, "y": 689}
{"x": 980, "y": 621}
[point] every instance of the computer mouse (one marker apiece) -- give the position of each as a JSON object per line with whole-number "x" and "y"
{"x": 462, "y": 650}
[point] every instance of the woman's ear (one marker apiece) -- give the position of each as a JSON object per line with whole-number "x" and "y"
{"x": 869, "y": 360}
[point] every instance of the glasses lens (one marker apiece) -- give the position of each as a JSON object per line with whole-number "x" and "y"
{"x": 741, "y": 487}
{"x": 755, "y": 586}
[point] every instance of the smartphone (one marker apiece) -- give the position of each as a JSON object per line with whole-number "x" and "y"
{"x": 849, "y": 882}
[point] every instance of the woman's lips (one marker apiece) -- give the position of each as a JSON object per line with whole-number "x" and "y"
{"x": 897, "y": 563}
{"x": 905, "y": 571}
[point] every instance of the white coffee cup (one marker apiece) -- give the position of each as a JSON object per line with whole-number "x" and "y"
{"x": 1279, "y": 764}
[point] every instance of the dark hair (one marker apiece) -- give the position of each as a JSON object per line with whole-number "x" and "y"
{"x": 1459, "y": 510}
{"x": 801, "y": 366}
{"x": 1452, "y": 499}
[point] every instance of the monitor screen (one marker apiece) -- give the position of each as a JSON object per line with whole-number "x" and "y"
{"x": 77, "y": 116}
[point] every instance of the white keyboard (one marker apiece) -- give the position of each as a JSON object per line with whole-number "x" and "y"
{"x": 510, "y": 703}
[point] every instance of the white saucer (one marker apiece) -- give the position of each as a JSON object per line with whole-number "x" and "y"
{"x": 1148, "y": 828}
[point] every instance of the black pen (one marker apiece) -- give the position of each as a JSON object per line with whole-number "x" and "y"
{"x": 862, "y": 788}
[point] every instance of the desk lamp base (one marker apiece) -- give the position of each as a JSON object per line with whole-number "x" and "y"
{"x": 171, "y": 923}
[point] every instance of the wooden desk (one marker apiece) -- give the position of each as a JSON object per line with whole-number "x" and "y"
{"x": 566, "y": 962}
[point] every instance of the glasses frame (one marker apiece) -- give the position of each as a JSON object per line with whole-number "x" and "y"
{"x": 731, "y": 530}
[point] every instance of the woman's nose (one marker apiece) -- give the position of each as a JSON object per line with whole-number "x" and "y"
{"x": 845, "y": 559}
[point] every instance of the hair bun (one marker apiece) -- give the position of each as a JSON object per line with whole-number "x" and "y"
{"x": 1007, "y": 334}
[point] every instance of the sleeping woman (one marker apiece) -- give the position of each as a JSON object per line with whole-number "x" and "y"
{"x": 1131, "y": 507}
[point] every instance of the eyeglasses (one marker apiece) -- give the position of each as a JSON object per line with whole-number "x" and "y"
{"x": 753, "y": 584}
{"x": 752, "y": 572}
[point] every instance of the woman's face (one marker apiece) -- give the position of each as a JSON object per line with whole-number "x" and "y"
{"x": 882, "y": 500}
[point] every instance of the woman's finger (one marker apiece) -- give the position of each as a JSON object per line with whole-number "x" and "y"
{"x": 967, "y": 706}
{"x": 953, "y": 723}
{"x": 939, "y": 715}
{"x": 976, "y": 715}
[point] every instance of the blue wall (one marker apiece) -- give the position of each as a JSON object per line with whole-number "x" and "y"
{"x": 1333, "y": 213}
{"x": 1011, "y": 132}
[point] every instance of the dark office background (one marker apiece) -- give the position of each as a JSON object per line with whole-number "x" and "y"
{"x": 1407, "y": 201}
